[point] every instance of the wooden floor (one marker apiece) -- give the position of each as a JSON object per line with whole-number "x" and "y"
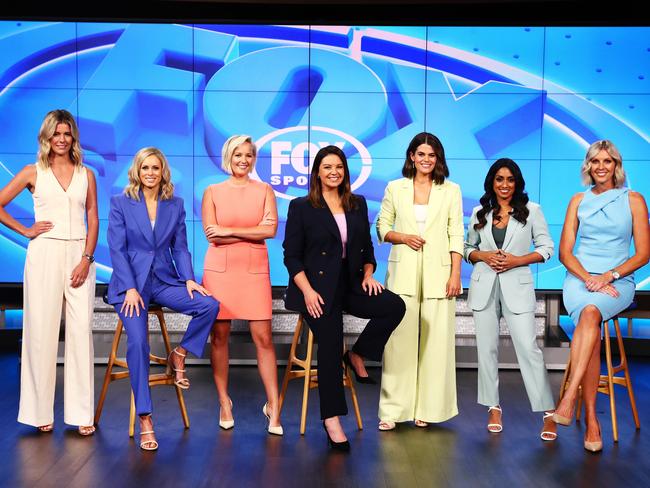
{"x": 458, "y": 453}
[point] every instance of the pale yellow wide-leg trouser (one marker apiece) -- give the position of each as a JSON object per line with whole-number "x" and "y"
{"x": 419, "y": 367}
{"x": 48, "y": 268}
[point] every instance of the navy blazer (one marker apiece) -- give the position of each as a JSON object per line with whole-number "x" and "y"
{"x": 312, "y": 243}
{"x": 136, "y": 249}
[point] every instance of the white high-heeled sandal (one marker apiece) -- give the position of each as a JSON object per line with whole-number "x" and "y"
{"x": 182, "y": 383}
{"x": 551, "y": 436}
{"x": 495, "y": 428}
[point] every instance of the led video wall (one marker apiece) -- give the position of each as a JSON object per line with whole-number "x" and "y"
{"x": 537, "y": 95}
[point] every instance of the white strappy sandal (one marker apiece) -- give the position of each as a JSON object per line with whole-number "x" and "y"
{"x": 182, "y": 383}
{"x": 550, "y": 436}
{"x": 386, "y": 425}
{"x": 495, "y": 428}
{"x": 148, "y": 445}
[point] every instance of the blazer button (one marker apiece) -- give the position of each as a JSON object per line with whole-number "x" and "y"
{"x": 320, "y": 273}
{"x": 324, "y": 253}
{"x": 361, "y": 250}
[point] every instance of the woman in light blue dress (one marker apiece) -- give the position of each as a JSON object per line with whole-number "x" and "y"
{"x": 599, "y": 281}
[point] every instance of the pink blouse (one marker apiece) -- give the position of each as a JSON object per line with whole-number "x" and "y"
{"x": 343, "y": 229}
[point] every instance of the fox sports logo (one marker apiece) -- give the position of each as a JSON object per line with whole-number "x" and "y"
{"x": 285, "y": 157}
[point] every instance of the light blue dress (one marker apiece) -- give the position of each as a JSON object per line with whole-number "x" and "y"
{"x": 604, "y": 236}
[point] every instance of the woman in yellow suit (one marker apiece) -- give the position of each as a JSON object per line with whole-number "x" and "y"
{"x": 422, "y": 216}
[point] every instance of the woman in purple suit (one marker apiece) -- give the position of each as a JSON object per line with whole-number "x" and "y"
{"x": 146, "y": 231}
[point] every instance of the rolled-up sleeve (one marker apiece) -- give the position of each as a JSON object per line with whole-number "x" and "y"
{"x": 541, "y": 235}
{"x": 455, "y": 228}
{"x": 473, "y": 239}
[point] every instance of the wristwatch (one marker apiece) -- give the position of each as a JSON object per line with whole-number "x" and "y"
{"x": 615, "y": 274}
{"x": 89, "y": 257}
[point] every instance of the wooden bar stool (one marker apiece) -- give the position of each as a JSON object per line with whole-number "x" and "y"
{"x": 154, "y": 379}
{"x": 304, "y": 370}
{"x": 607, "y": 381}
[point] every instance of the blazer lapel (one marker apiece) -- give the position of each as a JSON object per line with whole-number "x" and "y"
{"x": 142, "y": 218}
{"x": 328, "y": 219}
{"x": 513, "y": 226}
{"x": 487, "y": 232}
{"x": 406, "y": 204}
{"x": 436, "y": 196}
{"x": 163, "y": 220}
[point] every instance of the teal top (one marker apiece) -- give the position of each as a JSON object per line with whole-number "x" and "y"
{"x": 499, "y": 235}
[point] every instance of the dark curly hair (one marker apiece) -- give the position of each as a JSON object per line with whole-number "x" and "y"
{"x": 489, "y": 199}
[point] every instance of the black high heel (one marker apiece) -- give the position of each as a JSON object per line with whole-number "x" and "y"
{"x": 366, "y": 380}
{"x": 337, "y": 446}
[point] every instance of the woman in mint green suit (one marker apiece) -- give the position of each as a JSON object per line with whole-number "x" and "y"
{"x": 499, "y": 239}
{"x": 599, "y": 281}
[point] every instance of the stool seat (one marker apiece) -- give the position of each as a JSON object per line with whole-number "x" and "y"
{"x": 607, "y": 381}
{"x": 301, "y": 368}
{"x": 155, "y": 379}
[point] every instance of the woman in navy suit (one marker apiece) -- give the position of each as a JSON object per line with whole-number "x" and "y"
{"x": 330, "y": 258}
{"x": 146, "y": 230}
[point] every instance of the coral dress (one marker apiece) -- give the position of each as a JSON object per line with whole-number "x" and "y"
{"x": 605, "y": 235}
{"x": 238, "y": 274}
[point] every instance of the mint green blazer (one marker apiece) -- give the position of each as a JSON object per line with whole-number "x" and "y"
{"x": 517, "y": 284}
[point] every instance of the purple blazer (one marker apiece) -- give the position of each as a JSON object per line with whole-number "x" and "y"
{"x": 136, "y": 249}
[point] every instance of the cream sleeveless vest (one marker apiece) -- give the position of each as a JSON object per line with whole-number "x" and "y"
{"x": 65, "y": 209}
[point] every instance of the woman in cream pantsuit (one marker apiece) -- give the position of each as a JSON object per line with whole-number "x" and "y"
{"x": 500, "y": 235}
{"x": 422, "y": 216}
{"x": 58, "y": 269}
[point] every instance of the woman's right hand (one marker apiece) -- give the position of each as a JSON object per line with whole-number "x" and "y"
{"x": 600, "y": 283}
{"x": 132, "y": 301}
{"x": 313, "y": 302}
{"x": 413, "y": 241}
{"x": 491, "y": 258}
{"x": 38, "y": 228}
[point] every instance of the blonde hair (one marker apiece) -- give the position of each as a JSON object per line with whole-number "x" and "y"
{"x": 132, "y": 190}
{"x": 592, "y": 152}
{"x": 229, "y": 148}
{"x": 48, "y": 128}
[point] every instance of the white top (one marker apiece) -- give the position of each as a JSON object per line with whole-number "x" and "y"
{"x": 66, "y": 209}
{"x": 343, "y": 229}
{"x": 153, "y": 222}
{"x": 420, "y": 215}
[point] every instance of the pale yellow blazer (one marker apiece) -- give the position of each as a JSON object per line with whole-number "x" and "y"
{"x": 443, "y": 233}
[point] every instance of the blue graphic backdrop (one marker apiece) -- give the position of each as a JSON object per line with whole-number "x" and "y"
{"x": 537, "y": 95}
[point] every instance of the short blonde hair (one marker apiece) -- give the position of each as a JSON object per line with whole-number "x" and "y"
{"x": 229, "y": 148}
{"x": 132, "y": 190}
{"x": 48, "y": 127}
{"x": 592, "y": 152}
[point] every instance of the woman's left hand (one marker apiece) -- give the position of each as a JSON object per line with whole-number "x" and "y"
{"x": 212, "y": 231}
{"x": 598, "y": 282}
{"x": 506, "y": 261}
{"x": 80, "y": 273}
{"x": 371, "y": 285}
{"x": 453, "y": 288}
{"x": 193, "y": 286}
